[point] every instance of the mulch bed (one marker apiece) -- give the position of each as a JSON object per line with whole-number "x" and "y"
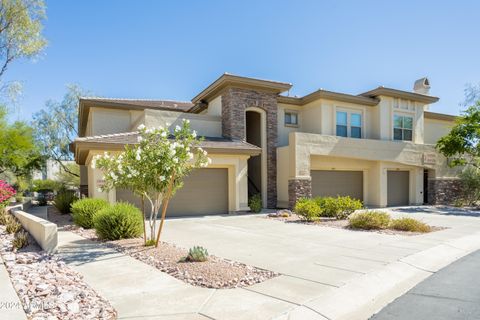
{"x": 343, "y": 224}
{"x": 214, "y": 273}
{"x": 47, "y": 287}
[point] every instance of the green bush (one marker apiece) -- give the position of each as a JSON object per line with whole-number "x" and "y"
{"x": 308, "y": 209}
{"x": 83, "y": 211}
{"x": 19, "y": 197}
{"x": 369, "y": 220}
{"x": 3, "y": 216}
{"x": 196, "y": 254}
{"x": 64, "y": 200}
{"x": 346, "y": 206}
{"x": 409, "y": 224}
{"x": 20, "y": 240}
{"x": 120, "y": 221}
{"x": 328, "y": 206}
{"x": 255, "y": 203}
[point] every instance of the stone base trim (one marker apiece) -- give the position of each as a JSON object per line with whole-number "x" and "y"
{"x": 444, "y": 191}
{"x": 298, "y": 188}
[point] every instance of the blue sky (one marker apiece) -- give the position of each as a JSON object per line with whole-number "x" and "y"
{"x": 173, "y": 49}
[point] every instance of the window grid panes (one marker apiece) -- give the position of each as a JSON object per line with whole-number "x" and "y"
{"x": 402, "y": 128}
{"x": 291, "y": 118}
{"x": 349, "y": 124}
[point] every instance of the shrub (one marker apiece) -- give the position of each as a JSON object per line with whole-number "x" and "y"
{"x": 12, "y": 225}
{"x": 120, "y": 221}
{"x": 83, "y": 211}
{"x": 42, "y": 199}
{"x": 369, "y": 220}
{"x": 3, "y": 216}
{"x": 196, "y": 254}
{"x": 255, "y": 203}
{"x": 328, "y": 206}
{"x": 308, "y": 209}
{"x": 6, "y": 192}
{"x": 470, "y": 180}
{"x": 346, "y": 206}
{"x": 20, "y": 240}
{"x": 19, "y": 197}
{"x": 64, "y": 200}
{"x": 409, "y": 224}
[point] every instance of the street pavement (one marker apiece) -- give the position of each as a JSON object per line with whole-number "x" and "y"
{"x": 451, "y": 293}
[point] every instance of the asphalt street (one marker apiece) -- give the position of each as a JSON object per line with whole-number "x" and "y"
{"x": 451, "y": 293}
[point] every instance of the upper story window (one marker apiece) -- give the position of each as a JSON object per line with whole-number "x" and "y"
{"x": 402, "y": 127}
{"x": 349, "y": 124}
{"x": 291, "y": 118}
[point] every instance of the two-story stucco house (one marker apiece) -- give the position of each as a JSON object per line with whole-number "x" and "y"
{"x": 377, "y": 146}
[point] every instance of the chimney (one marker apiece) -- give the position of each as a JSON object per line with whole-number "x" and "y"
{"x": 422, "y": 86}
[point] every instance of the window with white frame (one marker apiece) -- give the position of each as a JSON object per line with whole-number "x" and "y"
{"x": 291, "y": 118}
{"x": 349, "y": 124}
{"x": 402, "y": 127}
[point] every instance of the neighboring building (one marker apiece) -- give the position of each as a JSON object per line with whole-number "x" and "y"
{"x": 377, "y": 146}
{"x": 50, "y": 171}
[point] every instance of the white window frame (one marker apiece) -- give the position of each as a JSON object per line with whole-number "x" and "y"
{"x": 403, "y": 114}
{"x": 349, "y": 125}
{"x": 296, "y": 113}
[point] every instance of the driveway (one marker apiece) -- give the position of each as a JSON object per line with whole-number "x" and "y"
{"x": 326, "y": 272}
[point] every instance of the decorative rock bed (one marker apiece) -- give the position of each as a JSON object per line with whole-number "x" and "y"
{"x": 47, "y": 288}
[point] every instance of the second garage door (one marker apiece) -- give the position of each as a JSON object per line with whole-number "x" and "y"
{"x": 398, "y": 188}
{"x": 327, "y": 183}
{"x": 205, "y": 191}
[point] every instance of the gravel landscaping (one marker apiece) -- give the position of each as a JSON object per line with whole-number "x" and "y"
{"x": 214, "y": 273}
{"x": 47, "y": 287}
{"x": 341, "y": 224}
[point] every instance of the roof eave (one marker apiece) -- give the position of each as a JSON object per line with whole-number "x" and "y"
{"x": 389, "y": 92}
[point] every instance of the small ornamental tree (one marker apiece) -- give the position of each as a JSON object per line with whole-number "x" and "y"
{"x": 154, "y": 168}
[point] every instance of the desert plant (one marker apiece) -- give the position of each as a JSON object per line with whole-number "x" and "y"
{"x": 6, "y": 192}
{"x": 83, "y": 211}
{"x": 255, "y": 203}
{"x": 19, "y": 197}
{"x": 196, "y": 254}
{"x": 149, "y": 243}
{"x": 470, "y": 180}
{"x": 308, "y": 209}
{"x": 64, "y": 200}
{"x": 346, "y": 206}
{"x": 328, "y": 206}
{"x": 3, "y": 216}
{"x": 369, "y": 220}
{"x": 120, "y": 221}
{"x": 409, "y": 224}
{"x": 20, "y": 240}
{"x": 12, "y": 225}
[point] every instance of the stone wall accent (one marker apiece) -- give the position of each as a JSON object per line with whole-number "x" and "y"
{"x": 443, "y": 191}
{"x": 234, "y": 103}
{"x": 298, "y": 188}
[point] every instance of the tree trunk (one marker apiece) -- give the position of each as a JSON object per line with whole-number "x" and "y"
{"x": 164, "y": 209}
{"x": 144, "y": 226}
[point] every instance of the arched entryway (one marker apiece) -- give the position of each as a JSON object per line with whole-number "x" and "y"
{"x": 255, "y": 133}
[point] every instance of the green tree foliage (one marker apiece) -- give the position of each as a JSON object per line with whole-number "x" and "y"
{"x": 57, "y": 125}
{"x": 39, "y": 185}
{"x": 18, "y": 151}
{"x": 20, "y": 30}
{"x": 461, "y": 145}
{"x": 70, "y": 178}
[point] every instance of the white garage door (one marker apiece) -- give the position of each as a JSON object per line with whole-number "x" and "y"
{"x": 327, "y": 183}
{"x": 205, "y": 191}
{"x": 398, "y": 188}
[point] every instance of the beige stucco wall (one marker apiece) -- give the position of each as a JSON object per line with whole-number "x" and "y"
{"x": 237, "y": 179}
{"x": 205, "y": 125}
{"x": 215, "y": 107}
{"x": 107, "y": 121}
{"x": 435, "y": 129}
{"x": 283, "y": 173}
{"x": 283, "y": 130}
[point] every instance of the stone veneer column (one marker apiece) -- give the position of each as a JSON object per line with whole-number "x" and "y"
{"x": 234, "y": 103}
{"x": 443, "y": 191}
{"x": 298, "y": 188}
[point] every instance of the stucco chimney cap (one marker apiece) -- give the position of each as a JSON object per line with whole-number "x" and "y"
{"x": 422, "y": 86}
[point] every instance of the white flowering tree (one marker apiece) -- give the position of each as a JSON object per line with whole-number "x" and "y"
{"x": 154, "y": 168}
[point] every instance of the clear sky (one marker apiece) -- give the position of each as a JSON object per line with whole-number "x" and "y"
{"x": 174, "y": 49}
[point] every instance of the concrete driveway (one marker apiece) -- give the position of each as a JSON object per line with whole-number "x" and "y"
{"x": 326, "y": 272}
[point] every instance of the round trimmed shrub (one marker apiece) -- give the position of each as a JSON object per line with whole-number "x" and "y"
{"x": 308, "y": 209}
{"x": 120, "y": 221}
{"x": 83, "y": 211}
{"x": 409, "y": 224}
{"x": 369, "y": 220}
{"x": 255, "y": 203}
{"x": 347, "y": 206}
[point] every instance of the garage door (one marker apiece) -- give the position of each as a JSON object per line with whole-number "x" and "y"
{"x": 337, "y": 183}
{"x": 205, "y": 191}
{"x": 398, "y": 188}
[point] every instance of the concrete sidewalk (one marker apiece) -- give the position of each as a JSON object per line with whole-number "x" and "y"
{"x": 327, "y": 273}
{"x": 451, "y": 293}
{"x": 10, "y": 306}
